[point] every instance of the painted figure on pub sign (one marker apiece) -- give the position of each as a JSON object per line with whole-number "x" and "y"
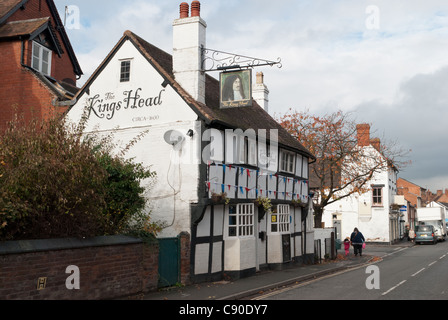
{"x": 236, "y": 89}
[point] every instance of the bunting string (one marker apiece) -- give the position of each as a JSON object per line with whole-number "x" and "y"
{"x": 303, "y": 184}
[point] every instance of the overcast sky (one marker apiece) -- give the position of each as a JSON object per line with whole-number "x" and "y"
{"x": 384, "y": 60}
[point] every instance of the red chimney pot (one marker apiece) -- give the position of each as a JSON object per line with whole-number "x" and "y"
{"x": 195, "y": 9}
{"x": 184, "y": 9}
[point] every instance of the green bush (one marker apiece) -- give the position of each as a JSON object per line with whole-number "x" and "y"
{"x": 124, "y": 195}
{"x": 54, "y": 183}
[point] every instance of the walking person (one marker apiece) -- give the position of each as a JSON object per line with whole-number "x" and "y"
{"x": 412, "y": 235}
{"x": 357, "y": 239}
{"x": 347, "y": 246}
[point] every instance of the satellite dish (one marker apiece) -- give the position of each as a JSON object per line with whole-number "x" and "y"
{"x": 175, "y": 138}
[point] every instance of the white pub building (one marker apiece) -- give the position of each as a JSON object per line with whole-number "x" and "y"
{"x": 213, "y": 156}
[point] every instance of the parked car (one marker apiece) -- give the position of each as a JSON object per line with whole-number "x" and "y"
{"x": 425, "y": 233}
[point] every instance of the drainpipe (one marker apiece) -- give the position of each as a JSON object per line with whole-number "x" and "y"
{"x": 304, "y": 233}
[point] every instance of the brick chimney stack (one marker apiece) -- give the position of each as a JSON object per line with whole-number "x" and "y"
{"x": 363, "y": 134}
{"x": 375, "y": 142}
{"x": 189, "y": 34}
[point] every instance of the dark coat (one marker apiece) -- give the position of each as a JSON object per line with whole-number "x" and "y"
{"x": 357, "y": 238}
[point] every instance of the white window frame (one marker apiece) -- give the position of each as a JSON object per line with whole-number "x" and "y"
{"x": 241, "y": 222}
{"x": 252, "y": 152}
{"x": 281, "y": 224}
{"x": 287, "y": 161}
{"x": 37, "y": 58}
{"x": 242, "y": 149}
{"x": 129, "y": 71}
{"x": 376, "y": 197}
{"x": 216, "y": 144}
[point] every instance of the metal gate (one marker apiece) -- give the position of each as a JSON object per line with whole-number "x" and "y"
{"x": 169, "y": 254}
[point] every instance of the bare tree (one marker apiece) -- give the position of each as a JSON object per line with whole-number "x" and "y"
{"x": 346, "y": 157}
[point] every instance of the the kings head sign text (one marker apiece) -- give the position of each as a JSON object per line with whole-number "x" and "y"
{"x": 107, "y": 105}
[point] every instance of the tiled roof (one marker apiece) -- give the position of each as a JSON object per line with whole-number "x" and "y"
{"x": 19, "y": 28}
{"x": 7, "y": 7}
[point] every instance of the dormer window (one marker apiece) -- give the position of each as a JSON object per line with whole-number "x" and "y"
{"x": 41, "y": 58}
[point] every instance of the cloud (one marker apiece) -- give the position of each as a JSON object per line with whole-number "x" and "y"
{"x": 103, "y": 24}
{"x": 417, "y": 120}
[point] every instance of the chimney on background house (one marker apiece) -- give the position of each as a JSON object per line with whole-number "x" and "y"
{"x": 376, "y": 143}
{"x": 363, "y": 134}
{"x": 188, "y": 41}
{"x": 260, "y": 92}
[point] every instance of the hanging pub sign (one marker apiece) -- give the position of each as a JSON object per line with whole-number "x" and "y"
{"x": 235, "y": 88}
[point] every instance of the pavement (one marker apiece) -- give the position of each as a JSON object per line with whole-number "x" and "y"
{"x": 269, "y": 279}
{"x": 262, "y": 281}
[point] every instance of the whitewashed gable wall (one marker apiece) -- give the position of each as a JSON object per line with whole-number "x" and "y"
{"x": 143, "y": 104}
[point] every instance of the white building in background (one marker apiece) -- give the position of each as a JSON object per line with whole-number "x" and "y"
{"x": 376, "y": 213}
{"x": 202, "y": 151}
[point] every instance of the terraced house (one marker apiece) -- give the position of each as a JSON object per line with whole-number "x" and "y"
{"x": 214, "y": 156}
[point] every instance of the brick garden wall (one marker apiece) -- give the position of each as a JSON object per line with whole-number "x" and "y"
{"x": 109, "y": 267}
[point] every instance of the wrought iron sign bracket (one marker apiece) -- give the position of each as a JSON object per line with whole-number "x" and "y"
{"x": 214, "y": 60}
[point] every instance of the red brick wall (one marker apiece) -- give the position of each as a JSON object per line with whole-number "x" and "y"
{"x": 411, "y": 192}
{"x": 20, "y": 91}
{"x": 106, "y": 272}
